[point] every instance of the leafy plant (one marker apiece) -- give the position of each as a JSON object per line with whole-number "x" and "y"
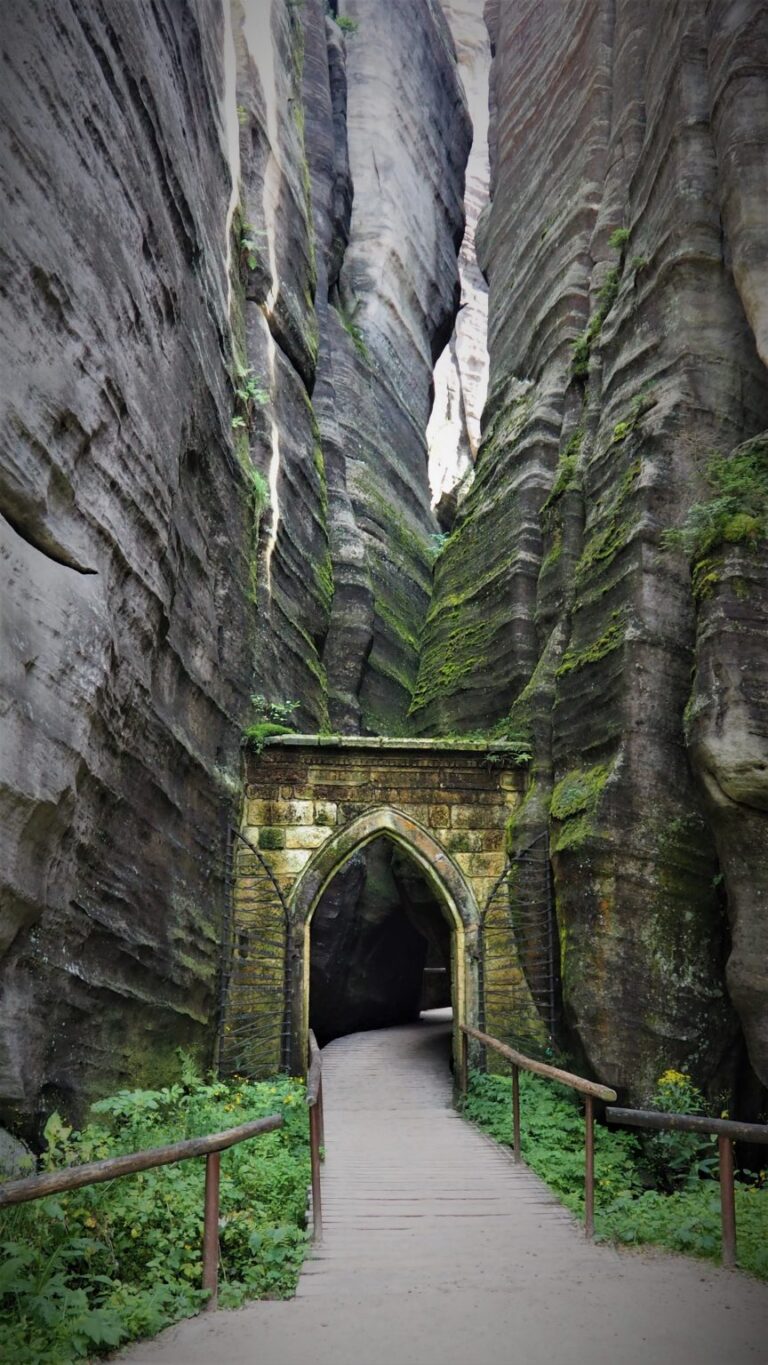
{"x": 89, "y": 1270}
{"x": 626, "y": 1210}
{"x": 249, "y": 245}
{"x": 677, "y": 1160}
{"x": 346, "y": 24}
{"x": 738, "y": 510}
{"x": 278, "y": 712}
{"x": 249, "y": 393}
{"x": 619, "y": 238}
{"x": 354, "y": 331}
{"x": 272, "y": 718}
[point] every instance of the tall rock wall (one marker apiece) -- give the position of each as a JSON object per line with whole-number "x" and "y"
{"x": 625, "y": 250}
{"x": 126, "y": 635}
{"x": 392, "y": 295}
{"x": 229, "y": 262}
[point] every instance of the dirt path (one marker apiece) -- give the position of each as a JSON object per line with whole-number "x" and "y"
{"x": 438, "y": 1250}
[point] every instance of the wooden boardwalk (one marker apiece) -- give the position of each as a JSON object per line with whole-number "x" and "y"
{"x": 438, "y": 1250}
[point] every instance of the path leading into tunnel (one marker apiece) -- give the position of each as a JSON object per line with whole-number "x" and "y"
{"x": 438, "y": 1250}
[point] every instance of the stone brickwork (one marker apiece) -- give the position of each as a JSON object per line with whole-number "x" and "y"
{"x": 311, "y": 802}
{"x": 302, "y": 790}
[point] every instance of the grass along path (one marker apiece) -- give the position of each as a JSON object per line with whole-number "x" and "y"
{"x": 627, "y": 1211}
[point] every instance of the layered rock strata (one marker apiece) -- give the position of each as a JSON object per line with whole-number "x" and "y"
{"x": 214, "y": 478}
{"x": 625, "y": 250}
{"x": 126, "y": 633}
{"x": 461, "y": 373}
{"x": 392, "y": 291}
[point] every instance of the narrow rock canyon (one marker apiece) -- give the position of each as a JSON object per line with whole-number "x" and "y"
{"x": 400, "y": 365}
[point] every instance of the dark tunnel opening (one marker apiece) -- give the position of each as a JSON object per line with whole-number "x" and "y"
{"x": 380, "y": 946}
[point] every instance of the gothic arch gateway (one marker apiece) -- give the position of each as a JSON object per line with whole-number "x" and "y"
{"x": 451, "y": 887}
{"x": 313, "y": 801}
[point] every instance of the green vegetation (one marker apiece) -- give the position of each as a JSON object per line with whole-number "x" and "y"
{"x": 737, "y": 513}
{"x": 249, "y": 246}
{"x": 354, "y": 331}
{"x": 574, "y": 802}
{"x": 347, "y": 25}
{"x": 87, "y": 1271}
{"x": 606, "y": 298}
{"x": 582, "y": 346}
{"x": 565, "y": 476}
{"x": 248, "y": 394}
{"x": 629, "y": 1205}
{"x": 615, "y": 531}
{"x": 611, "y": 639}
{"x": 271, "y": 718}
{"x": 259, "y": 490}
{"x": 271, "y": 837}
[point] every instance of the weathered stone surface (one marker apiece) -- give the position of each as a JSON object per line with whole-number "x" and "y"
{"x": 468, "y": 818}
{"x": 557, "y": 614}
{"x": 393, "y": 298}
{"x": 728, "y": 738}
{"x": 125, "y": 628}
{"x": 200, "y": 456}
{"x": 461, "y": 373}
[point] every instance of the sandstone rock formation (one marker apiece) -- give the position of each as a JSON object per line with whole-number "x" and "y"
{"x": 625, "y": 249}
{"x": 229, "y": 264}
{"x": 126, "y": 631}
{"x": 461, "y": 373}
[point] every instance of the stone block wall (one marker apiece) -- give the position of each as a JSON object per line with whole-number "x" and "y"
{"x": 301, "y": 790}
{"x": 449, "y": 803}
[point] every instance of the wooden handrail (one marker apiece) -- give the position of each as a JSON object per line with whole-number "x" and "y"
{"x": 115, "y": 1167}
{"x": 691, "y": 1123}
{"x": 316, "y": 1130}
{"x": 552, "y": 1073}
{"x": 727, "y": 1131}
{"x": 591, "y": 1091}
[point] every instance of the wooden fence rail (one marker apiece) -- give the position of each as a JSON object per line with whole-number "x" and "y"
{"x": 727, "y": 1131}
{"x": 316, "y": 1130}
{"x": 591, "y": 1091}
{"x": 113, "y": 1168}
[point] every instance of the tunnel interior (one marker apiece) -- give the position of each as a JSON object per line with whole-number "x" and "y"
{"x": 380, "y": 945}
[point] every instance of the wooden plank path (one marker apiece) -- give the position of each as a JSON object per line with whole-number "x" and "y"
{"x": 438, "y": 1250}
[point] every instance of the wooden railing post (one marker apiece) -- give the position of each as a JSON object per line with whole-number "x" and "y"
{"x": 463, "y": 1063}
{"x": 316, "y": 1130}
{"x": 211, "y": 1230}
{"x": 589, "y": 1166}
{"x": 727, "y": 1201}
{"x": 314, "y": 1151}
{"x": 516, "y": 1112}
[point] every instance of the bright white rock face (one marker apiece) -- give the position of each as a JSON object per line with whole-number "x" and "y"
{"x": 461, "y": 373}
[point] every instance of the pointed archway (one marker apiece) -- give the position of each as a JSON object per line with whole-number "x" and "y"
{"x": 438, "y": 869}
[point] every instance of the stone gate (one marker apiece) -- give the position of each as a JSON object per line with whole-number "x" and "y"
{"x": 313, "y": 801}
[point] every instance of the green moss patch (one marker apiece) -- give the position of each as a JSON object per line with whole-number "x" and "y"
{"x": 574, "y": 803}
{"x": 611, "y": 639}
{"x": 255, "y": 735}
{"x": 736, "y": 514}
